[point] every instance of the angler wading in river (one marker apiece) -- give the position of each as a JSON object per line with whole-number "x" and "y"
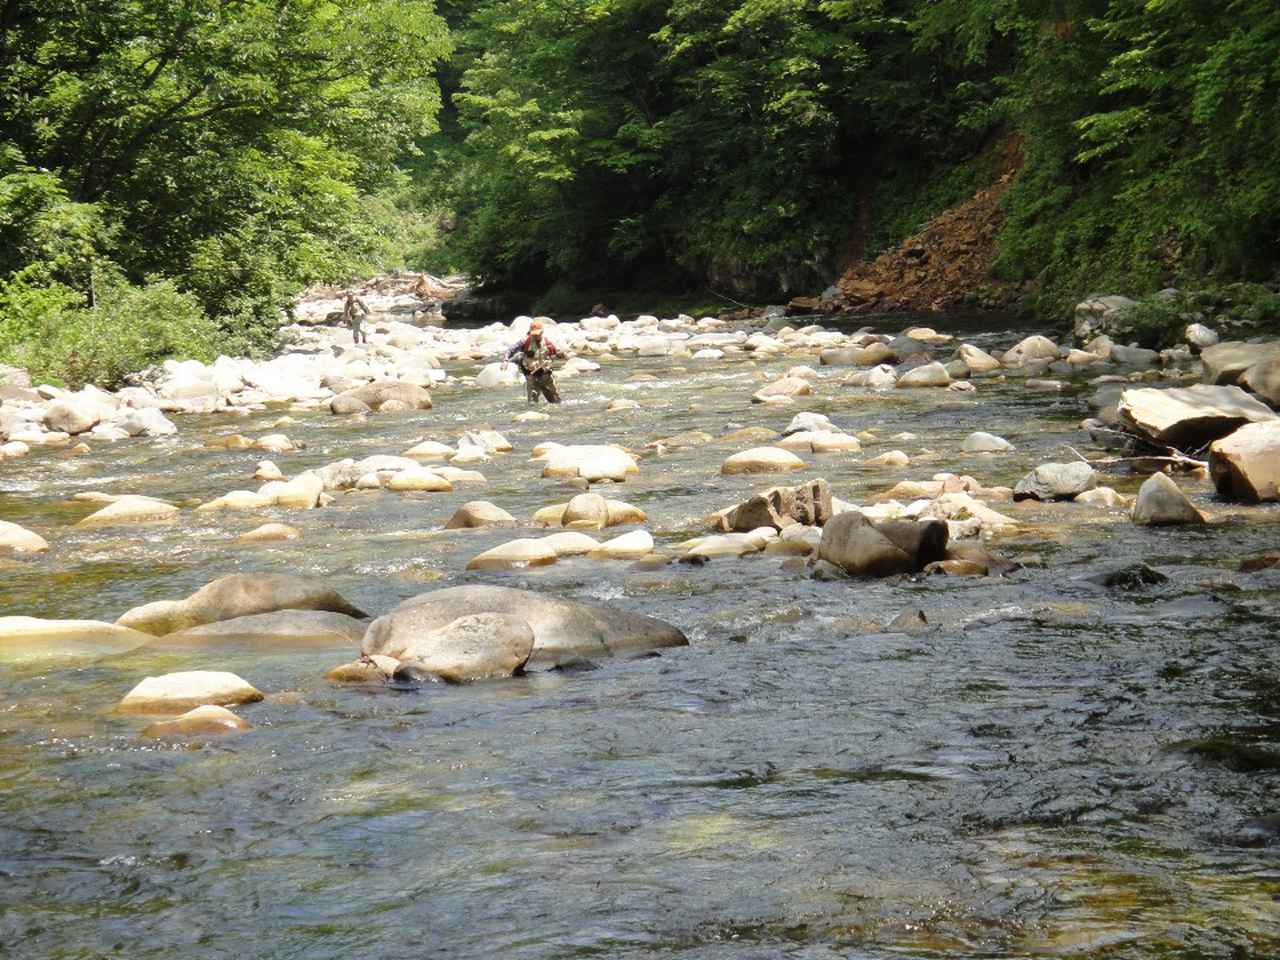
{"x": 535, "y": 353}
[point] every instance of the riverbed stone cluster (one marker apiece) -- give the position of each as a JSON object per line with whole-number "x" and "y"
{"x": 930, "y": 523}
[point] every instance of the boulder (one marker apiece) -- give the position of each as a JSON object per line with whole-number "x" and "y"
{"x": 762, "y": 460}
{"x": 890, "y": 458}
{"x": 1134, "y": 356}
{"x": 266, "y": 471}
{"x": 372, "y": 396}
{"x": 928, "y": 375}
{"x": 203, "y": 721}
{"x": 620, "y": 513}
{"x": 785, "y": 387}
{"x": 980, "y": 442}
{"x": 479, "y": 646}
{"x": 629, "y": 546}
{"x": 977, "y": 360}
{"x": 1030, "y": 350}
{"x": 418, "y": 479}
{"x": 280, "y": 630}
{"x": 236, "y": 500}
{"x": 779, "y": 507}
{"x": 586, "y": 511}
{"x": 808, "y": 423}
{"x": 180, "y": 692}
{"x": 238, "y": 595}
{"x": 430, "y": 450}
{"x": 274, "y": 443}
{"x": 591, "y": 463}
{"x": 1263, "y": 379}
{"x": 1200, "y": 336}
{"x": 146, "y": 422}
{"x": 563, "y": 629}
{"x": 749, "y": 435}
{"x": 1161, "y": 502}
{"x": 1245, "y": 465}
{"x": 514, "y": 555}
{"x": 1100, "y": 315}
{"x": 1190, "y": 418}
{"x": 1226, "y": 362}
{"x": 20, "y": 539}
{"x": 302, "y": 492}
{"x": 1056, "y": 481}
{"x": 1102, "y": 497}
{"x": 131, "y": 509}
{"x": 879, "y": 548}
{"x": 71, "y": 415}
{"x": 499, "y": 375}
{"x": 479, "y": 513}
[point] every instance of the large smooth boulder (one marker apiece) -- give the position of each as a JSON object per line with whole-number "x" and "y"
{"x": 374, "y": 395}
{"x": 1189, "y": 418}
{"x": 1245, "y": 465}
{"x": 586, "y": 511}
{"x": 279, "y": 630}
{"x": 1161, "y": 503}
{"x": 418, "y": 480}
{"x": 479, "y": 513}
{"x": 303, "y": 492}
{"x": 563, "y": 629}
{"x": 926, "y": 375}
{"x": 131, "y": 509}
{"x": 629, "y": 546}
{"x": 1029, "y": 350}
{"x": 479, "y": 646}
{"x": 881, "y": 548}
{"x": 980, "y": 442}
{"x": 146, "y": 422}
{"x": 1263, "y": 379}
{"x": 238, "y": 595}
{"x": 180, "y": 692}
{"x": 71, "y": 415}
{"x": 977, "y": 359}
{"x": 31, "y": 637}
{"x": 779, "y": 507}
{"x": 1056, "y": 481}
{"x": 20, "y": 539}
{"x": 762, "y": 460}
{"x": 1226, "y": 362}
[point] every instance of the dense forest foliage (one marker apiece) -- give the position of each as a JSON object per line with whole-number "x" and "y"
{"x": 171, "y": 173}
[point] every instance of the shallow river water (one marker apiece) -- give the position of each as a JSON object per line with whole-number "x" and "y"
{"x": 1054, "y": 769}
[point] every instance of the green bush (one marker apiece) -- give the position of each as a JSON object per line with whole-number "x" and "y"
{"x": 128, "y": 329}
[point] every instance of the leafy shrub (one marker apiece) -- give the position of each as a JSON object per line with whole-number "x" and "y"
{"x": 129, "y": 328}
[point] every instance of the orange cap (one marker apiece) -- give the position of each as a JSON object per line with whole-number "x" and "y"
{"x": 535, "y": 327}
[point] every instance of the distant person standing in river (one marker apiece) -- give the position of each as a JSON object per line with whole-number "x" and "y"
{"x": 351, "y": 313}
{"x": 535, "y": 353}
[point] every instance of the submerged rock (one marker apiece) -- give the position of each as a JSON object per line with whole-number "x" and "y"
{"x": 131, "y": 509}
{"x": 1161, "y": 502}
{"x": 207, "y": 720}
{"x": 270, "y": 533}
{"x": 32, "y": 637}
{"x": 562, "y": 629}
{"x": 281, "y": 629}
{"x": 238, "y": 595}
{"x": 515, "y": 554}
{"x": 180, "y": 692}
{"x": 980, "y": 442}
{"x": 365, "y": 670}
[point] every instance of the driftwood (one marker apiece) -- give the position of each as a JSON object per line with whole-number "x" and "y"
{"x": 1170, "y": 458}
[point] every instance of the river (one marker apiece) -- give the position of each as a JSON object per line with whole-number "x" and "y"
{"x": 1051, "y": 768}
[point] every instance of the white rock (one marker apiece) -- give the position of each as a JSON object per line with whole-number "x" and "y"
{"x": 637, "y": 543}
{"x": 20, "y": 539}
{"x": 980, "y": 442}
{"x": 131, "y": 509}
{"x": 762, "y": 460}
{"x": 179, "y": 692}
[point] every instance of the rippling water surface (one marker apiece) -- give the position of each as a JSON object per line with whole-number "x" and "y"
{"x": 1052, "y": 769}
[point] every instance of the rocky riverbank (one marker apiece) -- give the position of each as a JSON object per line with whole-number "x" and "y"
{"x": 753, "y": 590}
